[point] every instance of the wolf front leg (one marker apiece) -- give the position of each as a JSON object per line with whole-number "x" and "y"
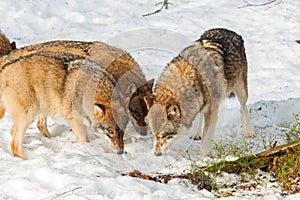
{"x": 79, "y": 129}
{"x": 210, "y": 121}
{"x": 198, "y": 123}
{"x": 17, "y": 133}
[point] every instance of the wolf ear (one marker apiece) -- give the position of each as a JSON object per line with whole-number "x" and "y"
{"x": 173, "y": 112}
{"x": 146, "y": 88}
{"x": 13, "y": 45}
{"x": 146, "y": 91}
{"x": 99, "y": 111}
{"x": 149, "y": 85}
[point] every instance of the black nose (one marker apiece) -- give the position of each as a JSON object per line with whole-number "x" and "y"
{"x": 143, "y": 133}
{"x": 157, "y": 153}
{"x": 121, "y": 151}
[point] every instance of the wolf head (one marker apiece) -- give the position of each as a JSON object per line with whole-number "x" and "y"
{"x": 137, "y": 107}
{"x": 97, "y": 101}
{"x": 174, "y": 103}
{"x": 164, "y": 122}
{"x": 112, "y": 118}
{"x": 106, "y": 122}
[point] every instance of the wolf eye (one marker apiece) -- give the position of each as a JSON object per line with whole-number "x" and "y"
{"x": 163, "y": 136}
{"x": 110, "y": 132}
{"x": 168, "y": 135}
{"x": 136, "y": 115}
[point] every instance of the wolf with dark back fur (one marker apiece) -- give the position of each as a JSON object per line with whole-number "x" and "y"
{"x": 130, "y": 78}
{"x": 197, "y": 81}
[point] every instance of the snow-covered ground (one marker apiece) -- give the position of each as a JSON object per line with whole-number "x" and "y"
{"x": 61, "y": 168}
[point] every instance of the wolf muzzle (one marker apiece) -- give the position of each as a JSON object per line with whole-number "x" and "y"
{"x": 120, "y": 151}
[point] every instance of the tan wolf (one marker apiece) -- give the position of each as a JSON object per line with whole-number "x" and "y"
{"x": 130, "y": 78}
{"x": 66, "y": 87}
{"x": 196, "y": 81}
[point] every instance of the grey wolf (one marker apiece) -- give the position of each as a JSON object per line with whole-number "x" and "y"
{"x": 48, "y": 84}
{"x": 131, "y": 80}
{"x": 197, "y": 81}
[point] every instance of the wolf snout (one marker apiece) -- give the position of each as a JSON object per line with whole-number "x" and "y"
{"x": 157, "y": 153}
{"x": 144, "y": 133}
{"x": 120, "y": 151}
{"x": 142, "y": 130}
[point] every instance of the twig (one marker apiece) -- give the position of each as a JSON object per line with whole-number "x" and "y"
{"x": 164, "y": 4}
{"x": 63, "y": 193}
{"x": 261, "y": 4}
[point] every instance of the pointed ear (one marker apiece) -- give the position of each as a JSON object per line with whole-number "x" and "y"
{"x": 149, "y": 101}
{"x": 173, "y": 112}
{"x": 146, "y": 88}
{"x": 13, "y": 45}
{"x": 149, "y": 85}
{"x": 99, "y": 111}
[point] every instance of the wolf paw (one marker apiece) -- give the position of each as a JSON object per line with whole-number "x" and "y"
{"x": 195, "y": 137}
{"x": 20, "y": 155}
{"x": 249, "y": 134}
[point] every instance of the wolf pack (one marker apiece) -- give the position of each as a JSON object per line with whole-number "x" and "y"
{"x": 100, "y": 88}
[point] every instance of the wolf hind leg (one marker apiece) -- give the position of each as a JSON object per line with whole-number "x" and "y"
{"x": 241, "y": 91}
{"x": 210, "y": 121}
{"x": 42, "y": 125}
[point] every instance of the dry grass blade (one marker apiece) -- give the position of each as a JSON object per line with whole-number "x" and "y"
{"x": 261, "y": 4}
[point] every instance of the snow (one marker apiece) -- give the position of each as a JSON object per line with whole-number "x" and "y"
{"x": 61, "y": 168}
